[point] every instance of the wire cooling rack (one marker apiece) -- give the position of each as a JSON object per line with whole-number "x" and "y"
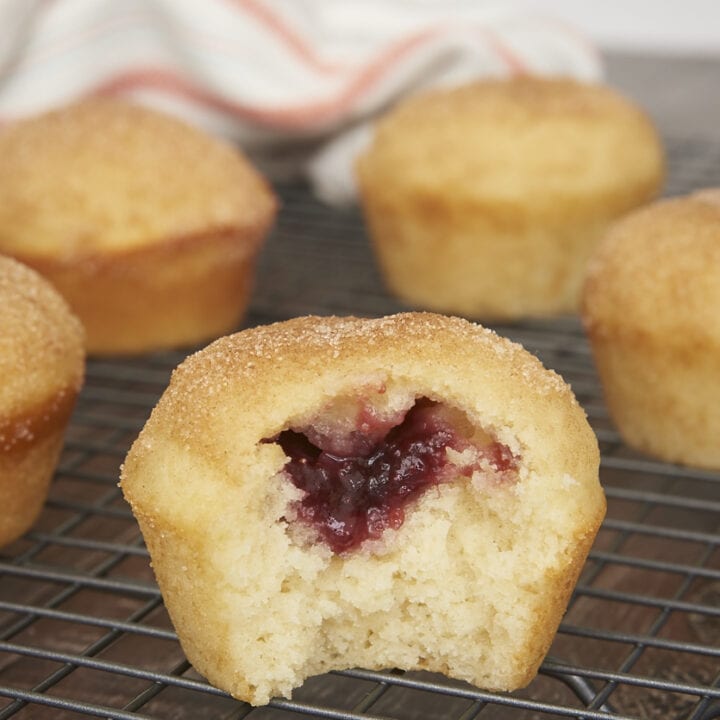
{"x": 83, "y": 630}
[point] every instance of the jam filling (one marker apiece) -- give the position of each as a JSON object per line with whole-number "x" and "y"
{"x": 355, "y": 495}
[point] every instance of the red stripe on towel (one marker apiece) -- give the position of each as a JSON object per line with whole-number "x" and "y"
{"x": 292, "y": 39}
{"x": 294, "y": 117}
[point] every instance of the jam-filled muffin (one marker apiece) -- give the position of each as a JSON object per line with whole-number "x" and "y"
{"x": 486, "y": 199}
{"x": 410, "y": 491}
{"x": 42, "y": 363}
{"x": 651, "y": 308}
{"x": 147, "y": 226}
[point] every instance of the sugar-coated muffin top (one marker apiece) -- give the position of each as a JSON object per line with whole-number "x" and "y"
{"x": 107, "y": 175}
{"x": 41, "y": 342}
{"x": 521, "y": 138}
{"x": 657, "y": 272}
{"x": 246, "y": 386}
{"x": 471, "y": 581}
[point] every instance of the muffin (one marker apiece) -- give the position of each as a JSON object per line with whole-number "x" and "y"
{"x": 485, "y": 200}
{"x": 651, "y": 308}
{"x": 148, "y": 227}
{"x": 42, "y": 363}
{"x": 405, "y": 492}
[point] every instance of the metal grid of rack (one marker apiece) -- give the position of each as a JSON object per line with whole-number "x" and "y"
{"x": 83, "y": 630}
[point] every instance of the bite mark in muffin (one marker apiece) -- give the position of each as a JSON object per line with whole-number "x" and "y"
{"x": 359, "y": 483}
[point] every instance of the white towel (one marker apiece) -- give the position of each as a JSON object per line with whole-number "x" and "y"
{"x": 296, "y": 83}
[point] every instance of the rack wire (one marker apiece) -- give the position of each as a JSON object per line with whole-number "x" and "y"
{"x": 83, "y": 630}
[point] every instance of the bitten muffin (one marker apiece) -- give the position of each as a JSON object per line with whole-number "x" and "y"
{"x": 411, "y": 492}
{"x": 147, "y": 226}
{"x": 42, "y": 363}
{"x": 485, "y": 200}
{"x": 651, "y": 308}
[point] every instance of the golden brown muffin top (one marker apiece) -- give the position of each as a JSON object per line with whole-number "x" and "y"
{"x": 107, "y": 175}
{"x": 41, "y": 342}
{"x": 251, "y": 385}
{"x": 657, "y": 271}
{"x": 515, "y": 139}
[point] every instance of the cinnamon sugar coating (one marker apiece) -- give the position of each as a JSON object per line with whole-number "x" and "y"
{"x": 42, "y": 363}
{"x": 486, "y": 199}
{"x": 650, "y": 307}
{"x": 148, "y": 226}
{"x": 474, "y": 581}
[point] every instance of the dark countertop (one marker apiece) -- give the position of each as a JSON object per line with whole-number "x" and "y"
{"x": 681, "y": 94}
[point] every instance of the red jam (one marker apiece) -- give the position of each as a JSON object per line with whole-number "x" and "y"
{"x": 354, "y": 496}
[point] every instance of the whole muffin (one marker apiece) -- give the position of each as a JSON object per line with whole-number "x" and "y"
{"x": 148, "y": 227}
{"x": 485, "y": 200}
{"x": 651, "y": 307}
{"x": 42, "y": 363}
{"x": 410, "y": 491}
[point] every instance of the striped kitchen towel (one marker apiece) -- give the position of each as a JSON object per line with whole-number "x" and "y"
{"x": 295, "y": 82}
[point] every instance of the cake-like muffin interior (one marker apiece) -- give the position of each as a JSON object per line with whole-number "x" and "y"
{"x": 358, "y": 479}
